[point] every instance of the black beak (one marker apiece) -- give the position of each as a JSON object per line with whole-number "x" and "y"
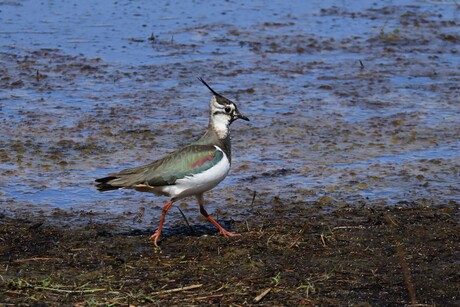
{"x": 242, "y": 117}
{"x": 237, "y": 114}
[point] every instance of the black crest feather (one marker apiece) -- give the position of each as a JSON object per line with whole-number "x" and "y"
{"x": 207, "y": 85}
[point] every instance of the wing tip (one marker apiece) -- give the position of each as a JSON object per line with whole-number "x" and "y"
{"x": 104, "y": 185}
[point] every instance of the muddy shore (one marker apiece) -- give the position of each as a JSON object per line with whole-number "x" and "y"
{"x": 361, "y": 256}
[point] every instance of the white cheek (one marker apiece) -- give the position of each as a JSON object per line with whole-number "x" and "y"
{"x": 221, "y": 123}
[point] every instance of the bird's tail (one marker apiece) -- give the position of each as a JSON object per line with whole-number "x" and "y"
{"x": 104, "y": 185}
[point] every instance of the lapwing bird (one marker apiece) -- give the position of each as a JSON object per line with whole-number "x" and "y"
{"x": 189, "y": 171}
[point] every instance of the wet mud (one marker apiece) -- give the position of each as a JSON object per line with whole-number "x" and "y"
{"x": 345, "y": 186}
{"x": 355, "y": 255}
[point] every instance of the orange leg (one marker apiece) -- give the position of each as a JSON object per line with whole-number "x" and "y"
{"x": 222, "y": 230}
{"x": 157, "y": 233}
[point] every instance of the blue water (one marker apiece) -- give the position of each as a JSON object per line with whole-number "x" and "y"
{"x": 106, "y": 29}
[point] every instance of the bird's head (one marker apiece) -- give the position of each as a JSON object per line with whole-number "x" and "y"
{"x": 223, "y": 110}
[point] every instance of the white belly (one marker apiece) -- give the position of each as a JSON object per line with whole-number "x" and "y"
{"x": 199, "y": 183}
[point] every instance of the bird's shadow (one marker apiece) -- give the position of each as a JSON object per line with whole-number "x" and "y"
{"x": 197, "y": 230}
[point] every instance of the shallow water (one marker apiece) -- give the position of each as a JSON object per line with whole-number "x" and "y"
{"x": 106, "y": 97}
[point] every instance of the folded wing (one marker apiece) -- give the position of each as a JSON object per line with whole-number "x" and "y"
{"x": 190, "y": 160}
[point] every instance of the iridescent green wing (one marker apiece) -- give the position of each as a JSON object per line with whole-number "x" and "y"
{"x": 188, "y": 161}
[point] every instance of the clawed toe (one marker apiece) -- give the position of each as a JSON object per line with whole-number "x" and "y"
{"x": 155, "y": 238}
{"x": 229, "y": 234}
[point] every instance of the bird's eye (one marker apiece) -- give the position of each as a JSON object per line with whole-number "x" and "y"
{"x": 228, "y": 110}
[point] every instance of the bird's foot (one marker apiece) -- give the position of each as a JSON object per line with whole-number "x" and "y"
{"x": 222, "y": 230}
{"x": 228, "y": 234}
{"x": 155, "y": 237}
{"x": 157, "y": 233}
